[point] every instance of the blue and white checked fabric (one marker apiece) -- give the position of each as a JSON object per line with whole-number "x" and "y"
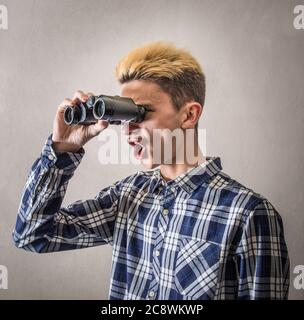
{"x": 200, "y": 236}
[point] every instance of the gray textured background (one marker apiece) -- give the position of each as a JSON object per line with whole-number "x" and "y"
{"x": 254, "y": 113}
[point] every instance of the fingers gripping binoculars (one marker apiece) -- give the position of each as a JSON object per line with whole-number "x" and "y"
{"x": 113, "y": 109}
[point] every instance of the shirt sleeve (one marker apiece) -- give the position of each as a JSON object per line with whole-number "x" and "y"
{"x": 44, "y": 226}
{"x": 262, "y": 256}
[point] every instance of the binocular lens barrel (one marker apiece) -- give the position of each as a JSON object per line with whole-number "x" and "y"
{"x": 116, "y": 109}
{"x": 113, "y": 109}
{"x": 80, "y": 114}
{"x": 69, "y": 115}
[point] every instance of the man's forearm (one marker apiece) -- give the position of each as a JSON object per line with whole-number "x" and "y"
{"x": 42, "y": 196}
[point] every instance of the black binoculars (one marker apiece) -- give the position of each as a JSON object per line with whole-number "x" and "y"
{"x": 113, "y": 109}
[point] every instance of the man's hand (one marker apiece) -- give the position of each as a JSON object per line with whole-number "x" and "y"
{"x": 71, "y": 138}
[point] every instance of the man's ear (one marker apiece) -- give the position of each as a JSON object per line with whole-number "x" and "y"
{"x": 191, "y": 113}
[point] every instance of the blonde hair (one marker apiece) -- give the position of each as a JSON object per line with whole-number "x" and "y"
{"x": 175, "y": 70}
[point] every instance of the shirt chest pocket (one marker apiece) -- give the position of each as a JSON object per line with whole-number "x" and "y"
{"x": 197, "y": 268}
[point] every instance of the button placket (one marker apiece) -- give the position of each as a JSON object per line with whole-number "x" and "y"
{"x": 166, "y": 201}
{"x": 159, "y": 239}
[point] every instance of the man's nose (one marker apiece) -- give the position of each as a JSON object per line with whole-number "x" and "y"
{"x": 128, "y": 127}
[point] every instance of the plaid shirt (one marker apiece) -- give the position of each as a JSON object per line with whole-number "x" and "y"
{"x": 200, "y": 236}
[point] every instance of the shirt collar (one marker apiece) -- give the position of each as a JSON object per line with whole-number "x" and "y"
{"x": 190, "y": 180}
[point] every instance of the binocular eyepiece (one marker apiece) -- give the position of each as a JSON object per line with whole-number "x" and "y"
{"x": 113, "y": 109}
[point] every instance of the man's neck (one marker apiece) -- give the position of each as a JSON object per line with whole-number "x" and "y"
{"x": 172, "y": 171}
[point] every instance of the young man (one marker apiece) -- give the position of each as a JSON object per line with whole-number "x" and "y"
{"x": 181, "y": 229}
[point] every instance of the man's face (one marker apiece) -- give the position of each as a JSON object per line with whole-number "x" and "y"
{"x": 161, "y": 115}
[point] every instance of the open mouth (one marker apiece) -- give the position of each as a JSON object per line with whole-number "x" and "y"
{"x": 138, "y": 150}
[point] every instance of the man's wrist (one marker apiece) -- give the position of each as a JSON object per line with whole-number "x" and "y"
{"x": 61, "y": 147}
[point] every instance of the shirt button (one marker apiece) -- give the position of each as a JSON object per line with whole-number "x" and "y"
{"x": 165, "y": 212}
{"x": 51, "y": 157}
{"x": 157, "y": 253}
{"x": 151, "y": 294}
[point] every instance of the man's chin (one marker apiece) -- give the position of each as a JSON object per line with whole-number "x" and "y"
{"x": 148, "y": 164}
